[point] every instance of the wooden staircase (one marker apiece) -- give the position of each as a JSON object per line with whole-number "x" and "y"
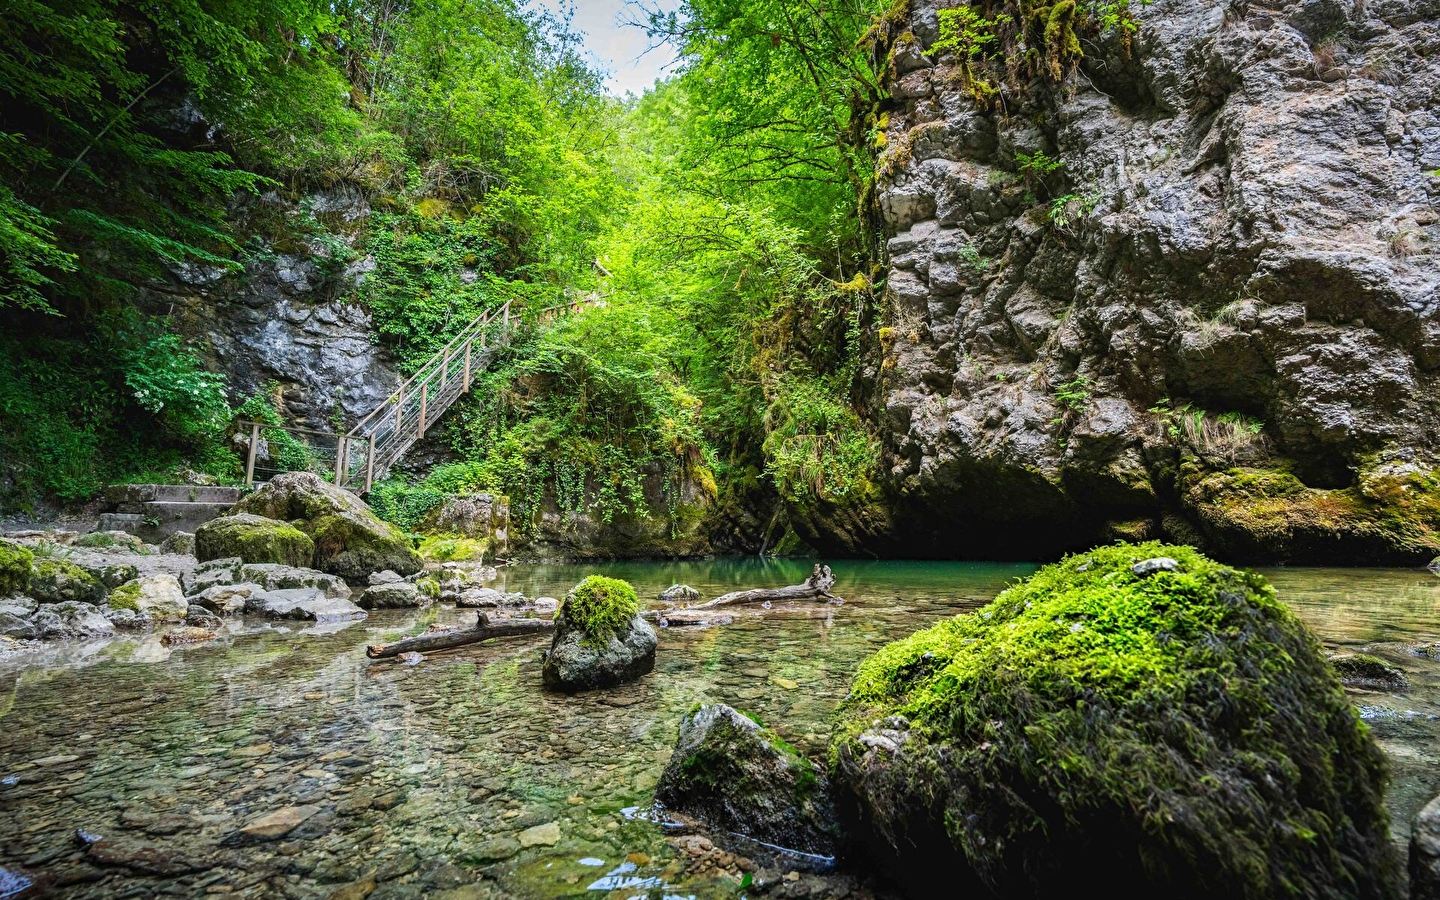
{"x": 364, "y": 454}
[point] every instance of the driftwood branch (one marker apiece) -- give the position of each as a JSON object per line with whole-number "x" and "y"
{"x": 817, "y": 586}
{"x": 485, "y": 628}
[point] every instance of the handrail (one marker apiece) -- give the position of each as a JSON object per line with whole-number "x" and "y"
{"x": 377, "y": 441}
{"x": 479, "y": 321}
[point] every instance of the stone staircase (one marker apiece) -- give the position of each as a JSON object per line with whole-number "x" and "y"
{"x": 156, "y": 511}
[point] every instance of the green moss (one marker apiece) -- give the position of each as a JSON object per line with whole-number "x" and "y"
{"x": 1391, "y": 515}
{"x": 1183, "y": 727}
{"x": 600, "y": 607}
{"x": 126, "y": 596}
{"x": 15, "y": 565}
{"x": 452, "y": 548}
{"x": 54, "y": 580}
{"x": 255, "y": 539}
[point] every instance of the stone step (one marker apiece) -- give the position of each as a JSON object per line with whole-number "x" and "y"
{"x": 171, "y": 493}
{"x": 161, "y": 518}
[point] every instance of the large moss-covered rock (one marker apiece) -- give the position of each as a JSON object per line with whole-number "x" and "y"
{"x": 253, "y": 539}
{"x": 156, "y": 596}
{"x": 600, "y": 640}
{"x": 15, "y": 564}
{"x": 736, "y": 774}
{"x": 350, "y": 540}
{"x": 58, "y": 581}
{"x": 1160, "y": 729}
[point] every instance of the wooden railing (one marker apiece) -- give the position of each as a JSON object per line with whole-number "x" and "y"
{"x": 364, "y": 454}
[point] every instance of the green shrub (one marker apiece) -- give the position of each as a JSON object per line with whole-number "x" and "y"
{"x": 601, "y": 607}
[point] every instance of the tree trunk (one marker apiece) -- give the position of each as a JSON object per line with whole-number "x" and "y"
{"x": 485, "y": 628}
{"x": 816, "y": 587}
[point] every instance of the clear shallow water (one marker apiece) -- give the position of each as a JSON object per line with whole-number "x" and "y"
{"x": 425, "y": 780}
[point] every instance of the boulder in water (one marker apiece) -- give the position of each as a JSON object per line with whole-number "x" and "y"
{"x": 600, "y": 640}
{"x": 1425, "y": 853}
{"x": 225, "y": 599}
{"x": 350, "y": 540}
{"x": 393, "y": 595}
{"x": 1178, "y": 734}
{"x": 676, "y": 594}
{"x": 1361, "y": 670}
{"x": 735, "y": 774}
{"x": 58, "y": 580}
{"x": 15, "y": 613}
{"x": 254, "y": 539}
{"x": 303, "y": 604}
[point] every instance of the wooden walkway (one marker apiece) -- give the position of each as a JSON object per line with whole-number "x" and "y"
{"x": 365, "y": 453}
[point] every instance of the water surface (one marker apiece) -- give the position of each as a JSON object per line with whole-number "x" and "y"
{"x": 426, "y": 780}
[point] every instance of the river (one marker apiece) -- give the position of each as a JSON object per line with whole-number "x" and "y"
{"x": 460, "y": 778}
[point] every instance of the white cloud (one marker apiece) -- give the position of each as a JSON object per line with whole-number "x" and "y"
{"x": 623, "y": 51}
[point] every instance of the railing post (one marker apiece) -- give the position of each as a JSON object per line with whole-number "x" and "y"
{"x": 399, "y": 410}
{"x": 466, "y": 387}
{"x": 342, "y": 464}
{"x": 370, "y": 464}
{"x": 250, "y": 457}
{"x": 507, "y": 316}
{"x": 424, "y": 395}
{"x": 445, "y": 370}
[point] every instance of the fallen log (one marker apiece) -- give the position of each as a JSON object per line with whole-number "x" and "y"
{"x": 817, "y": 586}
{"x": 485, "y": 628}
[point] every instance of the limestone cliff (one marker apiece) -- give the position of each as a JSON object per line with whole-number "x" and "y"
{"x": 1218, "y": 319}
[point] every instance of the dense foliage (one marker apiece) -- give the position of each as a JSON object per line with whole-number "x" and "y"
{"x": 711, "y": 227}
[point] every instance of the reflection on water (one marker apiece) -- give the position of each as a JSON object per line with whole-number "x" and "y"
{"x": 460, "y": 777}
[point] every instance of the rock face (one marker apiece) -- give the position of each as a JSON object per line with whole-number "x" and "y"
{"x": 254, "y": 539}
{"x": 350, "y": 541}
{"x": 600, "y": 640}
{"x": 283, "y": 320}
{"x": 1218, "y": 318}
{"x": 1070, "y": 732}
{"x": 737, "y": 775}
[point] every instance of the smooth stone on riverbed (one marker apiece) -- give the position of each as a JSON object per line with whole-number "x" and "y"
{"x": 279, "y": 823}
{"x": 305, "y": 604}
{"x": 1361, "y": 670}
{"x": 731, "y": 772}
{"x": 547, "y": 835}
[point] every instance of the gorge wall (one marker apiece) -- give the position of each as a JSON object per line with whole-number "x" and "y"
{"x": 1219, "y": 320}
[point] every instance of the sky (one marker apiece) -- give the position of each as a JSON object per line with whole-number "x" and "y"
{"x": 621, "y": 50}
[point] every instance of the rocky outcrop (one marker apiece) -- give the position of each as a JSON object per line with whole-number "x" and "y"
{"x": 737, "y": 775}
{"x": 350, "y": 540}
{"x": 286, "y": 319}
{"x": 253, "y": 539}
{"x": 1069, "y": 733}
{"x": 71, "y": 619}
{"x": 1206, "y": 257}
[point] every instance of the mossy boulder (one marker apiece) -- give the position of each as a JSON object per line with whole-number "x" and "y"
{"x": 15, "y": 564}
{"x": 1176, "y": 733}
{"x": 156, "y": 596}
{"x": 1362, "y": 670}
{"x": 350, "y": 540}
{"x": 732, "y": 772}
{"x": 1391, "y": 515}
{"x": 600, "y": 639}
{"x": 60, "y": 581}
{"x": 253, "y": 539}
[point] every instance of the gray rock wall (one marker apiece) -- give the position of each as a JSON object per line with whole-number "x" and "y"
{"x": 1254, "y": 235}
